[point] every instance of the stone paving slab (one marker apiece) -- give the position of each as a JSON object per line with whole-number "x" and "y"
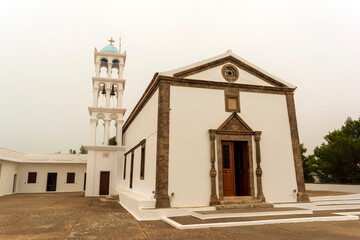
{"x": 250, "y": 210}
{"x": 186, "y": 220}
{"x": 72, "y": 216}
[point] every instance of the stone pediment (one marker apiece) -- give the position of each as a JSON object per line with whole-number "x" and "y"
{"x": 242, "y": 72}
{"x": 235, "y": 124}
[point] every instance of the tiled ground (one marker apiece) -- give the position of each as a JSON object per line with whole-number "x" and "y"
{"x": 72, "y": 216}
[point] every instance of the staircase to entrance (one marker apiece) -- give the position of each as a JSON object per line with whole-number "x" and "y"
{"x": 241, "y": 203}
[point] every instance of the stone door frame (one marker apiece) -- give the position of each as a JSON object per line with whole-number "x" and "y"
{"x": 234, "y": 129}
{"x": 220, "y": 137}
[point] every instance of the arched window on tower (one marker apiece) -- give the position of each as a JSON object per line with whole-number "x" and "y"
{"x": 115, "y": 69}
{"x": 102, "y": 95}
{"x": 113, "y": 96}
{"x": 100, "y": 130}
{"x": 112, "y": 134}
{"x": 103, "y": 67}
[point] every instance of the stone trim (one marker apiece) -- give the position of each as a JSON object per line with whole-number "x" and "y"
{"x": 234, "y": 61}
{"x": 175, "y": 81}
{"x": 260, "y": 194}
{"x": 162, "y": 151}
{"x": 186, "y": 82}
{"x": 213, "y": 195}
{"x": 232, "y": 94}
{"x": 301, "y": 195}
{"x": 235, "y": 125}
{"x": 236, "y": 77}
{"x": 142, "y": 142}
{"x": 149, "y": 91}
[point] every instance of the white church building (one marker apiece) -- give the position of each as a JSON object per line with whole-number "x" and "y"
{"x": 218, "y": 130}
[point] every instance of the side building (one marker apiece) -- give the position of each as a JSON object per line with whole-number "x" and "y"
{"x": 38, "y": 173}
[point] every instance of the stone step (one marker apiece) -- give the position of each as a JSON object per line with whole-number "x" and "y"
{"x": 239, "y": 198}
{"x": 235, "y": 201}
{"x": 109, "y": 200}
{"x": 244, "y": 205}
{"x": 113, "y": 197}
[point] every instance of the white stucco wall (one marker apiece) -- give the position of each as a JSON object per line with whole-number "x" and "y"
{"x": 214, "y": 74}
{"x": 102, "y": 161}
{"x": 43, "y": 169}
{"x": 7, "y": 171}
{"x": 194, "y": 111}
{"x": 268, "y": 113}
{"x": 144, "y": 126}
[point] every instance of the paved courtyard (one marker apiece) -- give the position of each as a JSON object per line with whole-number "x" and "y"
{"x": 72, "y": 216}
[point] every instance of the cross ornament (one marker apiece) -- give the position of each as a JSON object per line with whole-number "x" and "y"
{"x": 111, "y": 41}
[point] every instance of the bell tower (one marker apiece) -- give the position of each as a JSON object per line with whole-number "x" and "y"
{"x": 106, "y": 119}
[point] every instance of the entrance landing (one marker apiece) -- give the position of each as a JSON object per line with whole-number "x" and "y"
{"x": 321, "y": 209}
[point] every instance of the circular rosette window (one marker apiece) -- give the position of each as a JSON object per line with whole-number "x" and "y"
{"x": 230, "y": 73}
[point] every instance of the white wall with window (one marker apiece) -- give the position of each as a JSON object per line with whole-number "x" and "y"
{"x": 42, "y": 170}
{"x": 144, "y": 127}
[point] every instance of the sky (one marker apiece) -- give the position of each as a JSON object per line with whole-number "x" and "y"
{"x": 47, "y": 58}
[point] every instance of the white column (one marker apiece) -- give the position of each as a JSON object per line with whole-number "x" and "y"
{"x": 109, "y": 69}
{"x": 119, "y": 98}
{"x": 119, "y": 132}
{"x": 97, "y": 71}
{"x": 106, "y": 131}
{"x": 93, "y": 123}
{"x": 96, "y": 96}
{"x": 108, "y": 91}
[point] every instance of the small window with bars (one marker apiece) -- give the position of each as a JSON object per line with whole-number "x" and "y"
{"x": 32, "y": 177}
{"x": 70, "y": 177}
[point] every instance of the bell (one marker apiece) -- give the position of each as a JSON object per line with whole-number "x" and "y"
{"x": 112, "y": 93}
{"x": 103, "y": 90}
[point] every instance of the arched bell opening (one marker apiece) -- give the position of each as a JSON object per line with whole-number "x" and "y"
{"x": 112, "y": 133}
{"x": 115, "y": 69}
{"x": 102, "y": 95}
{"x": 103, "y": 72}
{"x": 113, "y": 96}
{"x": 103, "y": 67}
{"x": 115, "y": 73}
{"x": 100, "y": 131}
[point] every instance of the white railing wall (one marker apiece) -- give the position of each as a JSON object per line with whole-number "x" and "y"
{"x": 333, "y": 187}
{"x": 14, "y": 156}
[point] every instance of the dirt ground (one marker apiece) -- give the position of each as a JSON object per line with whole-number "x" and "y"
{"x": 72, "y": 216}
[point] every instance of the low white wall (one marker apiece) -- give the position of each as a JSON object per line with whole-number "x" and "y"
{"x": 333, "y": 187}
{"x": 14, "y": 156}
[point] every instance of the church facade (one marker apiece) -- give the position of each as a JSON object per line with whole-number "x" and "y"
{"x": 218, "y": 130}
{"x": 215, "y": 130}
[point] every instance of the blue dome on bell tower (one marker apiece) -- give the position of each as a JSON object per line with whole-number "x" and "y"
{"x": 110, "y": 47}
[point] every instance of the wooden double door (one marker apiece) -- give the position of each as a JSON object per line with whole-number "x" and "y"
{"x": 235, "y": 168}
